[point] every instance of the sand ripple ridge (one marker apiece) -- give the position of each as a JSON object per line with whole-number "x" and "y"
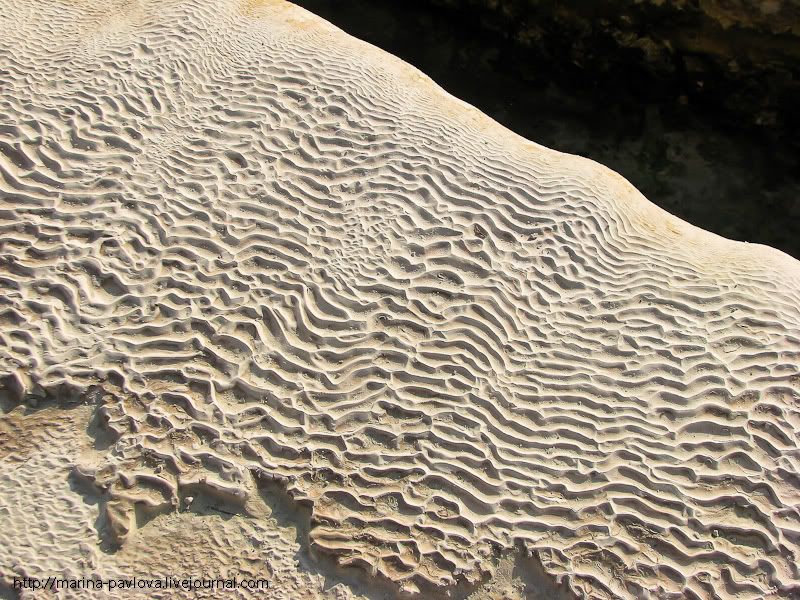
{"x": 287, "y": 258}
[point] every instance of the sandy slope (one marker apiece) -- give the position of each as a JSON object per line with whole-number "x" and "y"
{"x": 264, "y": 256}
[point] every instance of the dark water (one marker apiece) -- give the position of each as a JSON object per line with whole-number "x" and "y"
{"x": 743, "y": 184}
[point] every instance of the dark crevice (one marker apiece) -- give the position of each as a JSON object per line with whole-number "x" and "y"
{"x": 7, "y": 592}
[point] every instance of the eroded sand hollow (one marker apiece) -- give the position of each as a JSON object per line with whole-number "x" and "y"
{"x": 266, "y": 257}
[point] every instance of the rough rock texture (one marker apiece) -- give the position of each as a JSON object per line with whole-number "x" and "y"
{"x": 53, "y": 522}
{"x": 739, "y": 56}
{"x": 272, "y": 259}
{"x": 687, "y": 155}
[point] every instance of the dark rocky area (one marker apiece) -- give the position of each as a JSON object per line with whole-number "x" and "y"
{"x": 696, "y": 102}
{"x": 740, "y": 58}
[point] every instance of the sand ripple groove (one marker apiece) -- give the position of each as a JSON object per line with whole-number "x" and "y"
{"x": 284, "y": 256}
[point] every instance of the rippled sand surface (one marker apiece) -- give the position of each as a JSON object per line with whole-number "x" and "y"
{"x": 252, "y": 269}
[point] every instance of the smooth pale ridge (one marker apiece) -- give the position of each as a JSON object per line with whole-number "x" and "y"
{"x": 275, "y": 257}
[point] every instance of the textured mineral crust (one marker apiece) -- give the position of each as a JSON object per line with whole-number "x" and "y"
{"x": 275, "y": 305}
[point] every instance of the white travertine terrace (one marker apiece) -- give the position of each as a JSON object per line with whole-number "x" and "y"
{"x": 268, "y": 251}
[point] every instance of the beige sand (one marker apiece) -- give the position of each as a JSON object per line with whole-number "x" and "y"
{"x": 290, "y": 294}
